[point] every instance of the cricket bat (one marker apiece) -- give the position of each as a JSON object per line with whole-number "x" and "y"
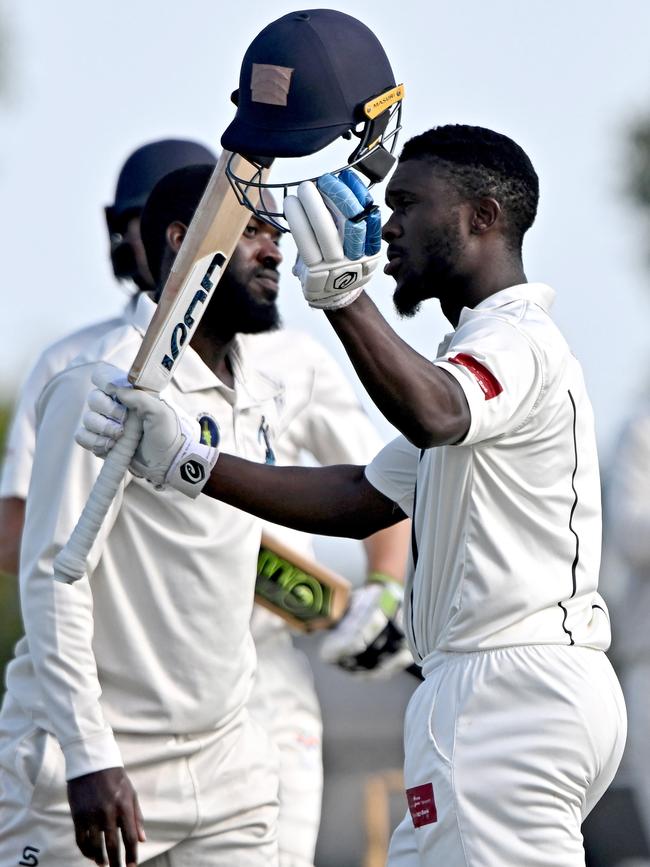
{"x": 209, "y": 243}
{"x": 306, "y": 594}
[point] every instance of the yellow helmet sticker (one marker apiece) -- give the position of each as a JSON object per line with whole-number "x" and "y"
{"x": 374, "y": 107}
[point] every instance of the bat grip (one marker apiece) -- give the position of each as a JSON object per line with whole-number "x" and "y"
{"x": 70, "y": 562}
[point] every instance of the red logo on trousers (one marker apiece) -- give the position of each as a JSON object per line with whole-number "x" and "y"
{"x": 422, "y": 805}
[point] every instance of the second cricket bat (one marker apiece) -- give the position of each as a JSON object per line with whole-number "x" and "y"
{"x": 306, "y": 594}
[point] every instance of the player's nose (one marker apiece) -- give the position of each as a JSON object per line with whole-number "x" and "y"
{"x": 390, "y": 229}
{"x": 269, "y": 250}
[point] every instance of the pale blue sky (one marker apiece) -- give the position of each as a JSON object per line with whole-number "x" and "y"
{"x": 90, "y": 81}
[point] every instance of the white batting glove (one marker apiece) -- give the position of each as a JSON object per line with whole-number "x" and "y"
{"x": 337, "y": 230}
{"x": 170, "y": 453}
{"x": 370, "y": 638}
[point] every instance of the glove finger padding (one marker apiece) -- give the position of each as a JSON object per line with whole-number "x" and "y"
{"x": 355, "y": 214}
{"x": 108, "y": 407}
{"x": 344, "y": 206}
{"x": 103, "y": 422}
{"x": 337, "y": 231}
{"x": 99, "y": 445}
{"x": 303, "y": 234}
{"x": 108, "y": 378}
{"x": 321, "y": 221}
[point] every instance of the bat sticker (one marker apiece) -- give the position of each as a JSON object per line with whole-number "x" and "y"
{"x": 182, "y": 328}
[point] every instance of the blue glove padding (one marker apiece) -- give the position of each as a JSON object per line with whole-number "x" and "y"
{"x": 355, "y": 214}
{"x": 337, "y": 230}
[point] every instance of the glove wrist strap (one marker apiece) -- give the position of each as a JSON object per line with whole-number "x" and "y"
{"x": 192, "y": 465}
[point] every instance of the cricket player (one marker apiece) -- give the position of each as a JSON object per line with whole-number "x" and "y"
{"x": 137, "y": 177}
{"x": 519, "y": 725}
{"x": 136, "y": 679}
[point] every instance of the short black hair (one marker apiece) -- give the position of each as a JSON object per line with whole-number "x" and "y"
{"x": 480, "y": 162}
{"x": 175, "y": 198}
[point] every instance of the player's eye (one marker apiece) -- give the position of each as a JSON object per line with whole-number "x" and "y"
{"x": 400, "y": 203}
{"x": 251, "y": 230}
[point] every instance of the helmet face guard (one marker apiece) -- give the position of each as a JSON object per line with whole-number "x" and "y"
{"x": 373, "y": 157}
{"x": 306, "y": 80}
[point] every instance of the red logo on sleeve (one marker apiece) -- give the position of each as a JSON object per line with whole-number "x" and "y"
{"x": 488, "y": 382}
{"x": 422, "y": 805}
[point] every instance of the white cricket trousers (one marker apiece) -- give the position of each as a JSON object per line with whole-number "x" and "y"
{"x": 207, "y": 801}
{"x": 506, "y": 752}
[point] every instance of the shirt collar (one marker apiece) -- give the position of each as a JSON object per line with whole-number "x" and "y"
{"x": 141, "y": 312}
{"x": 192, "y": 374}
{"x": 537, "y": 293}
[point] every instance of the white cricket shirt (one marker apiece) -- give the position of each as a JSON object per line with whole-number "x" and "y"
{"x": 507, "y": 523}
{"x": 155, "y": 640}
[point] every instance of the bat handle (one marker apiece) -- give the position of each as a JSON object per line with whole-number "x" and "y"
{"x": 70, "y": 562}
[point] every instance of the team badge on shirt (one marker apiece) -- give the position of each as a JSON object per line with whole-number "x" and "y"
{"x": 210, "y": 435}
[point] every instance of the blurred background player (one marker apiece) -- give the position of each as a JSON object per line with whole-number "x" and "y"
{"x": 138, "y": 176}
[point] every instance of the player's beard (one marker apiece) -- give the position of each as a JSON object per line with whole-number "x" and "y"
{"x": 436, "y": 277}
{"x": 238, "y": 311}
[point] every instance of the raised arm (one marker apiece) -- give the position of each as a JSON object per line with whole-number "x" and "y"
{"x": 422, "y": 401}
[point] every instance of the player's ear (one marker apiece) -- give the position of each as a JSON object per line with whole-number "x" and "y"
{"x": 486, "y": 212}
{"x": 176, "y": 231}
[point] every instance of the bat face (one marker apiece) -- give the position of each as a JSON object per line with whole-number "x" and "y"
{"x": 304, "y": 593}
{"x": 179, "y": 323}
{"x": 207, "y": 247}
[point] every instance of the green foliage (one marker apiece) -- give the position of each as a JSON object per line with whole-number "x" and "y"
{"x": 11, "y": 627}
{"x": 5, "y": 418}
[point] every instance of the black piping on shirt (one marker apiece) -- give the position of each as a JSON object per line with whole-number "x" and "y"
{"x": 574, "y": 565}
{"x": 414, "y": 551}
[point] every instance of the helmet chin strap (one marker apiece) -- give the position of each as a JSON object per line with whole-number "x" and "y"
{"x": 370, "y": 157}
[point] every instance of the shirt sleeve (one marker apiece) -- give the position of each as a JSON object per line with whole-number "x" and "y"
{"x": 19, "y": 450}
{"x": 58, "y": 617}
{"x": 500, "y": 373}
{"x": 393, "y": 472}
